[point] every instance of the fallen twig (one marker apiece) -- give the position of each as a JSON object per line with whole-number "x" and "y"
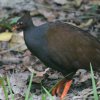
{"x": 15, "y": 47}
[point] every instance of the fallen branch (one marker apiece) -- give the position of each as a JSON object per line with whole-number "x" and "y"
{"x": 15, "y": 47}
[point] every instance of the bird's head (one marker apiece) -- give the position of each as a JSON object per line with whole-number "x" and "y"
{"x": 23, "y": 23}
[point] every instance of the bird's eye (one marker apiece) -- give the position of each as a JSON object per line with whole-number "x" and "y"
{"x": 20, "y": 23}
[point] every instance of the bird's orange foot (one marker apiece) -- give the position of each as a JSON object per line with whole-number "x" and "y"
{"x": 66, "y": 89}
{"x": 61, "y": 89}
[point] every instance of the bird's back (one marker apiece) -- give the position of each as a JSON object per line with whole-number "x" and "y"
{"x": 71, "y": 47}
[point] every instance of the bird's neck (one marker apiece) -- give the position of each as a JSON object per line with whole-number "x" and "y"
{"x": 30, "y": 32}
{"x": 32, "y": 36}
{"x": 35, "y": 35}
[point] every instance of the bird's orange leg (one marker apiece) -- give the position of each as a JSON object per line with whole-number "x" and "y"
{"x": 62, "y": 84}
{"x": 56, "y": 90}
{"x": 66, "y": 89}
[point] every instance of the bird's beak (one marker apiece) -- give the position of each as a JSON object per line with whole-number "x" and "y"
{"x": 14, "y": 28}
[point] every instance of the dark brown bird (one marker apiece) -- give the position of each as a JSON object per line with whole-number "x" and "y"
{"x": 61, "y": 46}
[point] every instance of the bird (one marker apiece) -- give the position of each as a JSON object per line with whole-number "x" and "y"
{"x": 60, "y": 46}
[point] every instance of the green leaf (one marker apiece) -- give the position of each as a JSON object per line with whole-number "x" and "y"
{"x": 4, "y": 87}
{"x": 14, "y": 20}
{"x": 47, "y": 92}
{"x": 93, "y": 84}
{"x": 29, "y": 87}
{"x": 9, "y": 86}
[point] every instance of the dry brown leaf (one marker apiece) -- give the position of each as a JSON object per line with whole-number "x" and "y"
{"x": 78, "y": 2}
{"x": 47, "y": 14}
{"x": 38, "y": 74}
{"x": 81, "y": 76}
{"x": 37, "y": 79}
{"x": 38, "y": 21}
{"x": 62, "y": 2}
{"x": 5, "y": 36}
{"x": 4, "y": 45}
{"x": 9, "y": 58}
{"x": 88, "y": 23}
{"x": 17, "y": 39}
{"x": 26, "y": 60}
{"x": 16, "y": 97}
{"x": 18, "y": 82}
{"x": 95, "y": 2}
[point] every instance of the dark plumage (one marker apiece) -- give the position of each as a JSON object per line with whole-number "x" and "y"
{"x": 61, "y": 46}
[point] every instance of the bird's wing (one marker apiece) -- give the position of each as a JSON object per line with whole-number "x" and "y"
{"x": 70, "y": 46}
